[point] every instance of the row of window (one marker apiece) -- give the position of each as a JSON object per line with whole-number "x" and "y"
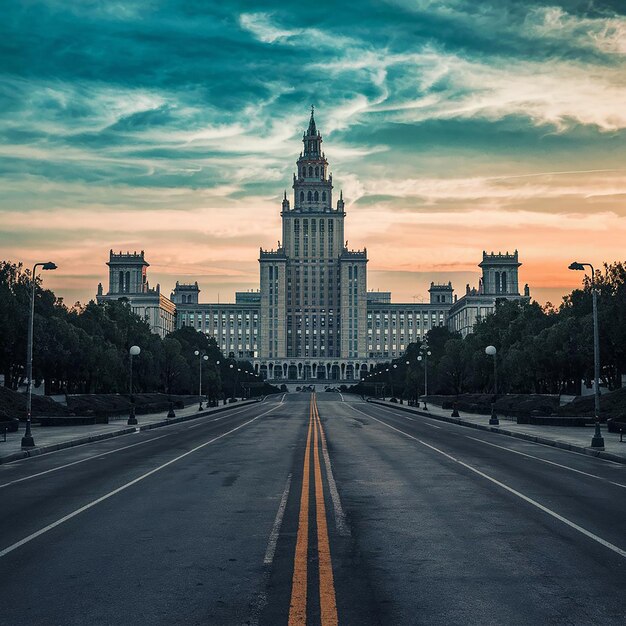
{"x": 318, "y": 171}
{"x": 313, "y": 196}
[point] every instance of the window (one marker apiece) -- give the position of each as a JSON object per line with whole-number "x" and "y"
{"x": 316, "y": 196}
{"x": 323, "y": 196}
{"x": 317, "y": 171}
{"x": 310, "y": 171}
{"x": 302, "y": 196}
{"x": 309, "y": 196}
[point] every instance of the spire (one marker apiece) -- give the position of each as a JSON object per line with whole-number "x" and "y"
{"x": 340, "y": 203}
{"x": 285, "y": 202}
{"x": 312, "y": 130}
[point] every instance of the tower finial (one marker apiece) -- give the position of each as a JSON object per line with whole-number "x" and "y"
{"x": 312, "y": 130}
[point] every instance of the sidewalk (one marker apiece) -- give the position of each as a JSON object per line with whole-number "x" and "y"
{"x": 576, "y": 438}
{"x": 50, "y": 438}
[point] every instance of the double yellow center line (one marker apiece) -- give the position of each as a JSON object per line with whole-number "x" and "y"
{"x": 328, "y": 604}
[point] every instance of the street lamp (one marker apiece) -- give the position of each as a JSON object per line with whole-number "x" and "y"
{"x": 408, "y": 364}
{"x": 597, "y": 440}
{"x": 219, "y": 382}
{"x": 231, "y": 366}
{"x": 27, "y": 439}
{"x": 133, "y": 351}
{"x": 491, "y": 351}
{"x": 424, "y": 354}
{"x": 202, "y": 357}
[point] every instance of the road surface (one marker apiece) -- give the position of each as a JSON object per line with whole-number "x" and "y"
{"x": 309, "y": 509}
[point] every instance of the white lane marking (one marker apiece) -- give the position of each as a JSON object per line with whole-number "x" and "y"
{"x": 106, "y": 496}
{"x": 432, "y": 425}
{"x": 273, "y": 540}
{"x": 283, "y": 398}
{"x": 341, "y": 396}
{"x": 95, "y": 456}
{"x": 217, "y": 419}
{"x": 340, "y": 517}
{"x": 537, "y": 443}
{"x": 520, "y": 495}
{"x": 15, "y": 463}
{"x": 537, "y": 458}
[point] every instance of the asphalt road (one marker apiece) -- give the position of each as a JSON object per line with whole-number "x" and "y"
{"x": 316, "y": 510}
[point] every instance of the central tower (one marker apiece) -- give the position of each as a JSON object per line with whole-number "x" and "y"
{"x": 313, "y": 289}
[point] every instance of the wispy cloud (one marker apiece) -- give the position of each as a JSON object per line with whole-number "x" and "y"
{"x": 175, "y": 128}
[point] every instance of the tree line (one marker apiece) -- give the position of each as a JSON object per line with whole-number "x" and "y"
{"x": 84, "y": 348}
{"x": 540, "y": 349}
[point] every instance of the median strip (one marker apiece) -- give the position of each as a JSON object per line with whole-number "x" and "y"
{"x": 327, "y": 596}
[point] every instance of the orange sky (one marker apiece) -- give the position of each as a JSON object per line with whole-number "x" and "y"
{"x": 451, "y": 127}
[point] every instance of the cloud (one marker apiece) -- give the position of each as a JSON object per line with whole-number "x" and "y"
{"x": 607, "y": 35}
{"x": 175, "y": 127}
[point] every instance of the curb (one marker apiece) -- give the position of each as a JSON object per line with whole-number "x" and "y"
{"x": 609, "y": 456}
{"x": 70, "y": 443}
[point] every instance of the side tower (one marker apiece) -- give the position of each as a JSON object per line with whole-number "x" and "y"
{"x": 500, "y": 274}
{"x": 185, "y": 293}
{"x": 128, "y": 281}
{"x": 441, "y": 293}
{"x": 127, "y": 273}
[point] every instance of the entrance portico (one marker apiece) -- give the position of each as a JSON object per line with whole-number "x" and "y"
{"x": 313, "y": 369}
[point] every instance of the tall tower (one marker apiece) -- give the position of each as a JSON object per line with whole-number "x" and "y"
{"x": 313, "y": 290}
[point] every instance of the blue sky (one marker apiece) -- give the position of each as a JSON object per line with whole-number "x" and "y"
{"x": 452, "y": 127}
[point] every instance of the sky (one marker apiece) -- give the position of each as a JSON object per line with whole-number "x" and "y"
{"x": 452, "y": 127}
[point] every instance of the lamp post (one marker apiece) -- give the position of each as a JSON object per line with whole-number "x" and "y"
{"x": 597, "y": 440}
{"x": 202, "y": 357}
{"x": 218, "y": 384}
{"x": 232, "y": 367}
{"x": 491, "y": 351}
{"x": 391, "y": 373}
{"x": 28, "y": 440}
{"x": 390, "y": 386}
{"x": 424, "y": 354}
{"x": 133, "y": 351}
{"x": 408, "y": 364}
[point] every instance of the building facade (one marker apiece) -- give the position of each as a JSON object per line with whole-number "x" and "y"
{"x": 313, "y": 317}
{"x": 499, "y": 281}
{"x": 128, "y": 281}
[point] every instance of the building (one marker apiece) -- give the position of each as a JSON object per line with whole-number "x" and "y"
{"x": 128, "y": 281}
{"x": 235, "y": 327}
{"x": 313, "y": 317}
{"x": 499, "y": 281}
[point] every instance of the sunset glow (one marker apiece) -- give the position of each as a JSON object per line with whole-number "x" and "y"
{"x": 452, "y": 127}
